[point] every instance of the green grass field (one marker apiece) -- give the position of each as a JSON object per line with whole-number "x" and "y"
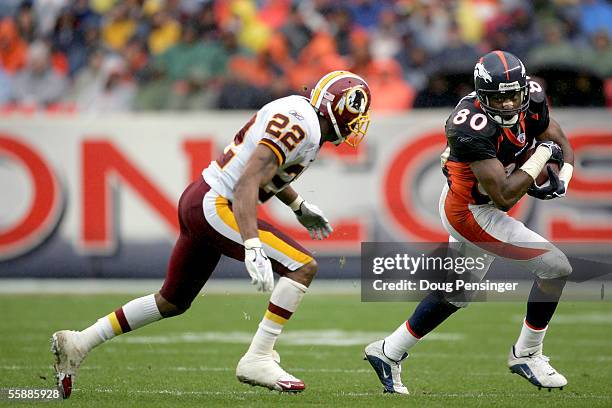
{"x": 190, "y": 360}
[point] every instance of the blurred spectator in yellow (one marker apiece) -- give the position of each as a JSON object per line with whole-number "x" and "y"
{"x": 118, "y": 27}
{"x": 39, "y": 85}
{"x": 13, "y": 50}
{"x": 165, "y": 32}
{"x": 252, "y": 33}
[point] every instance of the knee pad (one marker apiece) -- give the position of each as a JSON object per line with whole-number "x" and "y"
{"x": 553, "y": 264}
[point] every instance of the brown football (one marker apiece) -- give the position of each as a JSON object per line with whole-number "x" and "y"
{"x": 543, "y": 176}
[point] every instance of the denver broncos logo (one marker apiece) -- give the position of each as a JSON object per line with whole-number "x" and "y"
{"x": 355, "y": 100}
{"x": 481, "y": 71}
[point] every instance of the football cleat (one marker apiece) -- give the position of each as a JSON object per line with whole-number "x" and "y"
{"x": 265, "y": 371}
{"x": 388, "y": 371}
{"x": 69, "y": 354}
{"x": 536, "y": 369}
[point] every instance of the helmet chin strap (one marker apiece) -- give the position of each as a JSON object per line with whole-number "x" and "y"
{"x": 335, "y": 124}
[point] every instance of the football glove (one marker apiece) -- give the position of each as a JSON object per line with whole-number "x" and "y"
{"x": 258, "y": 265}
{"x": 311, "y": 217}
{"x": 556, "y": 153}
{"x": 555, "y": 188}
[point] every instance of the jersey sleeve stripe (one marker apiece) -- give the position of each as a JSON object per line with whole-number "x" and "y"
{"x": 280, "y": 155}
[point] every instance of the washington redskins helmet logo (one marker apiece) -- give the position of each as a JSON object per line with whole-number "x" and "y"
{"x": 344, "y": 99}
{"x": 354, "y": 100}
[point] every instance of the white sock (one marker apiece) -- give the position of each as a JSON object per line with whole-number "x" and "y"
{"x": 284, "y": 300}
{"x": 529, "y": 340}
{"x": 399, "y": 342}
{"x": 133, "y": 315}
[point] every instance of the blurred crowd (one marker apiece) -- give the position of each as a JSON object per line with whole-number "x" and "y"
{"x": 135, "y": 55}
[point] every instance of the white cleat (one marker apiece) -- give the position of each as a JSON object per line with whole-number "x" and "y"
{"x": 534, "y": 366}
{"x": 265, "y": 371}
{"x": 69, "y": 352}
{"x": 388, "y": 371}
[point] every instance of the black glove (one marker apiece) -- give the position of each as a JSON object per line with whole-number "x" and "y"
{"x": 556, "y": 153}
{"x": 555, "y": 188}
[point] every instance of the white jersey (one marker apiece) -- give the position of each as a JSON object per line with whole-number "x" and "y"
{"x": 289, "y": 127}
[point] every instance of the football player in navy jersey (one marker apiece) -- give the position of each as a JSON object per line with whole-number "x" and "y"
{"x": 487, "y": 134}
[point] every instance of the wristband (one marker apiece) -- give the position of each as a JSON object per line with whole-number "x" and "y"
{"x": 565, "y": 174}
{"x": 296, "y": 204}
{"x": 252, "y": 243}
{"x": 536, "y": 162}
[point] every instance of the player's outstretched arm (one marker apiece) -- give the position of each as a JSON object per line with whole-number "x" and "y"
{"x": 259, "y": 170}
{"x": 504, "y": 191}
{"x": 309, "y": 215}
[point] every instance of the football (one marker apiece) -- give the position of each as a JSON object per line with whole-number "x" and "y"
{"x": 542, "y": 178}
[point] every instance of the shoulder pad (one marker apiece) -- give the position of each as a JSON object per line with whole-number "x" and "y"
{"x": 468, "y": 119}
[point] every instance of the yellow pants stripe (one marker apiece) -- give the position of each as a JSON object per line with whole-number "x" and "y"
{"x": 266, "y": 237}
{"x": 114, "y": 323}
{"x": 275, "y": 318}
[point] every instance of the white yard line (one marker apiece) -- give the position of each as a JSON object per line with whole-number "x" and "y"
{"x": 139, "y": 286}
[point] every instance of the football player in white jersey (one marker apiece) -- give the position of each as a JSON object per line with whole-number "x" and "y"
{"x": 218, "y": 216}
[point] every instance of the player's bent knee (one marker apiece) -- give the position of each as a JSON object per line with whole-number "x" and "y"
{"x": 167, "y": 309}
{"x": 555, "y": 265}
{"x": 305, "y": 274}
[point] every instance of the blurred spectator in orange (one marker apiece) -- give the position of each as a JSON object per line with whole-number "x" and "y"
{"x": 13, "y": 50}
{"x": 360, "y": 58}
{"x": 274, "y": 13}
{"x": 319, "y": 57}
{"x": 165, "y": 32}
{"x": 390, "y": 93}
{"x": 39, "y": 85}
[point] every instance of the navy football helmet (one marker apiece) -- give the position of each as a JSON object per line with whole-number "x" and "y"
{"x": 500, "y": 82}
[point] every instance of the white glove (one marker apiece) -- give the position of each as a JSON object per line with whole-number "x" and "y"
{"x": 258, "y": 265}
{"x": 311, "y": 217}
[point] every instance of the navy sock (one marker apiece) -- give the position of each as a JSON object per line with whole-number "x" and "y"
{"x": 428, "y": 315}
{"x": 542, "y": 305}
